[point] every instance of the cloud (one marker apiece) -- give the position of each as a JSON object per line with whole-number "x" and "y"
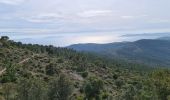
{"x": 147, "y": 34}
{"x": 86, "y": 17}
{"x": 44, "y": 18}
{"x": 133, "y": 16}
{"x": 157, "y": 20}
{"x": 63, "y": 39}
{"x": 127, "y": 17}
{"x": 62, "y": 16}
{"x": 66, "y": 17}
{"x": 12, "y": 2}
{"x": 31, "y": 31}
{"x": 96, "y": 39}
{"x": 95, "y": 13}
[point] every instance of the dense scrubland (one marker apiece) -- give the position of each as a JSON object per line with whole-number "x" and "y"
{"x": 37, "y": 72}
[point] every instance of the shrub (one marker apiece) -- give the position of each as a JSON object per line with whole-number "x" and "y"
{"x": 92, "y": 88}
{"x": 84, "y": 74}
{"x": 60, "y": 89}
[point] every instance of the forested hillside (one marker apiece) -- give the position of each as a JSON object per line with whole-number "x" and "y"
{"x": 36, "y": 72}
{"x": 153, "y": 52}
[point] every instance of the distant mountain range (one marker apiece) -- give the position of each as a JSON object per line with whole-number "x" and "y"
{"x": 154, "y": 52}
{"x": 164, "y": 38}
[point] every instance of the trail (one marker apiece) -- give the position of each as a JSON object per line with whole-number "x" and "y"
{"x": 21, "y": 62}
{"x": 73, "y": 75}
{"x": 2, "y": 71}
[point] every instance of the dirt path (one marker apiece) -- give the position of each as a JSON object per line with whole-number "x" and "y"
{"x": 2, "y": 71}
{"x": 73, "y": 75}
{"x": 21, "y": 62}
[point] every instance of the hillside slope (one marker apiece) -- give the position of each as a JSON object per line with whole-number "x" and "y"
{"x": 153, "y": 52}
{"x": 36, "y": 72}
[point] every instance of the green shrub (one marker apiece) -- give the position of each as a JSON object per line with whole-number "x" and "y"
{"x": 84, "y": 74}
{"x": 93, "y": 88}
{"x": 60, "y": 89}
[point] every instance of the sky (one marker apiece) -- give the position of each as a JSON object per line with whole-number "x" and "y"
{"x": 65, "y": 22}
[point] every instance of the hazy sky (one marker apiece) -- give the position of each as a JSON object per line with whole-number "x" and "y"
{"x": 63, "y": 22}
